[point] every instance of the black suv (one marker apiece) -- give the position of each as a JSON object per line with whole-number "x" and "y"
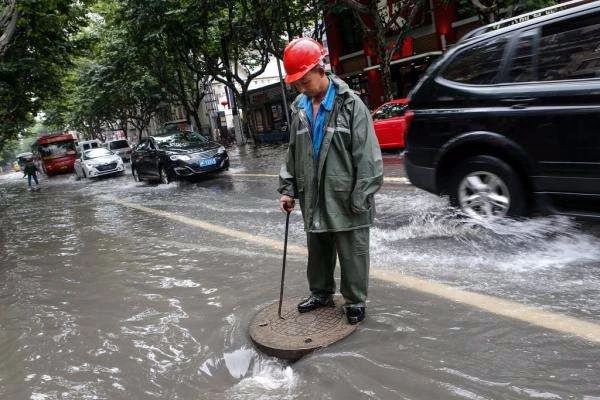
{"x": 177, "y": 155}
{"x": 508, "y": 121}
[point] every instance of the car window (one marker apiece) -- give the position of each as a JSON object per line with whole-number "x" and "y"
{"x": 383, "y": 112}
{"x": 479, "y": 64}
{"x": 397, "y": 110}
{"x": 180, "y": 140}
{"x": 570, "y": 49}
{"x": 118, "y": 144}
{"x": 522, "y": 67}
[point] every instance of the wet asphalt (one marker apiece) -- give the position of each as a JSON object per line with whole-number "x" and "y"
{"x": 102, "y": 301}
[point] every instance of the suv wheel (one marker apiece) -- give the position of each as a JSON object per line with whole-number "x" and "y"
{"x": 485, "y": 187}
{"x": 134, "y": 172}
{"x": 164, "y": 176}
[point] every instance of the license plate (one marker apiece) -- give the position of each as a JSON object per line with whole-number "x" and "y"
{"x": 208, "y": 162}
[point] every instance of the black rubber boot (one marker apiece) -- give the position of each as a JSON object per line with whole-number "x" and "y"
{"x": 314, "y": 302}
{"x": 355, "y": 314}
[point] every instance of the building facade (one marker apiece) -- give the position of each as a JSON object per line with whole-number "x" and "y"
{"x": 354, "y": 58}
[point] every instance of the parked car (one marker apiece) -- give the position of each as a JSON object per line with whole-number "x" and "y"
{"x": 87, "y": 145}
{"x": 98, "y": 162}
{"x": 177, "y": 155}
{"x": 390, "y": 121}
{"x": 120, "y": 147}
{"x": 507, "y": 122}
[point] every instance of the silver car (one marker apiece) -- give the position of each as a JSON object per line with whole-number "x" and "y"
{"x": 120, "y": 147}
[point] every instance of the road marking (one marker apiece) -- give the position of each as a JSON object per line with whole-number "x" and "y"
{"x": 248, "y": 237}
{"x": 401, "y": 180}
{"x": 404, "y": 181}
{"x": 495, "y": 305}
{"x": 255, "y": 175}
{"x": 554, "y": 321}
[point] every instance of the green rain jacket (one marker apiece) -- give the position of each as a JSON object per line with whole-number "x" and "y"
{"x": 336, "y": 191}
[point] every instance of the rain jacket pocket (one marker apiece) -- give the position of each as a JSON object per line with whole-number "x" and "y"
{"x": 337, "y": 192}
{"x": 361, "y": 203}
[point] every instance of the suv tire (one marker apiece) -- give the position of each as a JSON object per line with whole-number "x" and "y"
{"x": 135, "y": 174}
{"x": 485, "y": 186}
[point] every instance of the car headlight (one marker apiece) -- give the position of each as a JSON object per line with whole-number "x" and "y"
{"x": 181, "y": 157}
{"x": 221, "y": 150}
{"x": 89, "y": 165}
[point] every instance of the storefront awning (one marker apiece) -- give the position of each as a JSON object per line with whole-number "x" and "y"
{"x": 407, "y": 59}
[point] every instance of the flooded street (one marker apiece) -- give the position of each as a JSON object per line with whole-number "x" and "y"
{"x": 113, "y": 289}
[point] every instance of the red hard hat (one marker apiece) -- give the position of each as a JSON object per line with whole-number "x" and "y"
{"x": 300, "y": 56}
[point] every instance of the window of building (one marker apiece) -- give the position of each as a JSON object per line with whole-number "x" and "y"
{"x": 350, "y": 32}
{"x": 478, "y": 65}
{"x": 570, "y": 49}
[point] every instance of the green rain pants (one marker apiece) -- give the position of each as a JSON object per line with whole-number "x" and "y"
{"x": 352, "y": 249}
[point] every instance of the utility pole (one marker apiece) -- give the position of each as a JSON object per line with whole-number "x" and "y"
{"x": 237, "y": 126}
{"x": 283, "y": 96}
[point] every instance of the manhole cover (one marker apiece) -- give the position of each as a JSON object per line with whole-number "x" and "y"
{"x": 297, "y": 334}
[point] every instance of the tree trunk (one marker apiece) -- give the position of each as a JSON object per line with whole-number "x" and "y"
{"x": 487, "y": 13}
{"x": 244, "y": 121}
{"x": 8, "y": 22}
{"x": 196, "y": 118}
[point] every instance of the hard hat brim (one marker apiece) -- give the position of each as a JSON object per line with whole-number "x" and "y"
{"x": 291, "y": 78}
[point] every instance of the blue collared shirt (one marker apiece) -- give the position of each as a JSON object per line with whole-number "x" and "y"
{"x": 317, "y": 124}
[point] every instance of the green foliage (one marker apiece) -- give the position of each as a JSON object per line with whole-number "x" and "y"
{"x": 9, "y": 151}
{"x": 109, "y": 84}
{"x": 35, "y": 60}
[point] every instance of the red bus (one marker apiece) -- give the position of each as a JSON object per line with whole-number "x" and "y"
{"x": 55, "y": 154}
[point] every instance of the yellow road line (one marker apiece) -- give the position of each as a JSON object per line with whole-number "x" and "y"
{"x": 511, "y": 309}
{"x": 255, "y": 175}
{"x": 251, "y": 175}
{"x": 532, "y": 315}
{"x": 248, "y": 237}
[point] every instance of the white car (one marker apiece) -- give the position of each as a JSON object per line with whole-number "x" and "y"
{"x": 98, "y": 162}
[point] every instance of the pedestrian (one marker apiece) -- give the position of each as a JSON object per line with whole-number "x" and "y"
{"x": 333, "y": 167}
{"x": 30, "y": 171}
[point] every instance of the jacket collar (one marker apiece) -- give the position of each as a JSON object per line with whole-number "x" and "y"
{"x": 341, "y": 89}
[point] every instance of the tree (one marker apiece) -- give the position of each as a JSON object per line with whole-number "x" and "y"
{"x": 109, "y": 85}
{"x": 36, "y": 48}
{"x": 378, "y": 22}
{"x": 168, "y": 39}
{"x": 240, "y": 52}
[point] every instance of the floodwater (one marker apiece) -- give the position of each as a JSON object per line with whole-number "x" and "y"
{"x": 102, "y": 301}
